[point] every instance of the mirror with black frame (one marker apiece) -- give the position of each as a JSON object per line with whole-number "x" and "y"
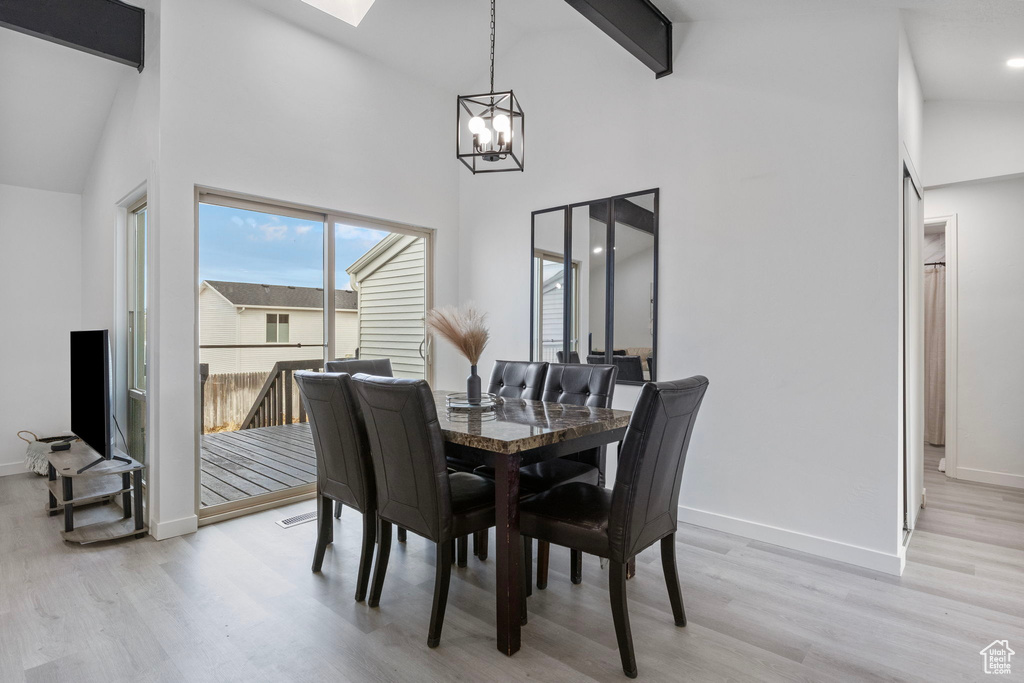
{"x": 548, "y": 287}
{"x": 608, "y": 308}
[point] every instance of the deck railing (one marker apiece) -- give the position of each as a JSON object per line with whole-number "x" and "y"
{"x": 274, "y": 404}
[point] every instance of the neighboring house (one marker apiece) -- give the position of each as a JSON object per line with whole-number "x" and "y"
{"x": 233, "y": 314}
{"x": 390, "y": 282}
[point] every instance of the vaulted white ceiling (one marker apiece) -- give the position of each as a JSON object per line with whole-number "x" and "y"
{"x": 54, "y": 103}
{"x": 960, "y": 46}
{"x": 54, "y": 100}
{"x": 442, "y": 42}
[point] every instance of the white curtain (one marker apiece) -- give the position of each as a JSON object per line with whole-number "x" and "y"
{"x": 935, "y": 355}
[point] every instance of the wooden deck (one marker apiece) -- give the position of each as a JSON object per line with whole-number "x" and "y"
{"x": 252, "y": 462}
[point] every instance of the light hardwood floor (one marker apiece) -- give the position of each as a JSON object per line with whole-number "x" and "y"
{"x": 236, "y": 601}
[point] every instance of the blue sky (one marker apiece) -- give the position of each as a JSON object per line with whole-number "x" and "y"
{"x": 248, "y": 246}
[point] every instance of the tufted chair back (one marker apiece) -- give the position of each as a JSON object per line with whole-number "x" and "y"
{"x": 381, "y": 367}
{"x": 645, "y": 499}
{"x": 517, "y": 379}
{"x": 581, "y": 385}
{"x": 407, "y": 448}
{"x": 343, "y": 468}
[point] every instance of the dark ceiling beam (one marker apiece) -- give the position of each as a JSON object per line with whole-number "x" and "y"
{"x": 626, "y": 212}
{"x": 106, "y": 28}
{"x": 636, "y": 25}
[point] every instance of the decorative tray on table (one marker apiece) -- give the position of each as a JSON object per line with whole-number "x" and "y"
{"x": 460, "y": 403}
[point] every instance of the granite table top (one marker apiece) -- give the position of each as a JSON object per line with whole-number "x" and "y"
{"x": 519, "y": 425}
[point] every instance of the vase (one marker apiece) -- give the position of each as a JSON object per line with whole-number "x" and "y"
{"x": 473, "y": 386}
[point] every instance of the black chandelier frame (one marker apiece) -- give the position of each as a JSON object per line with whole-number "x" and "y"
{"x": 478, "y": 157}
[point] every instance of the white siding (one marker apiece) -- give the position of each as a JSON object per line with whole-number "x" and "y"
{"x": 346, "y": 334}
{"x": 551, "y": 325}
{"x": 220, "y": 322}
{"x": 392, "y": 307}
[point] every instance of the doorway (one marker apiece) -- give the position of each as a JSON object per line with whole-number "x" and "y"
{"x": 940, "y": 324}
{"x": 283, "y": 289}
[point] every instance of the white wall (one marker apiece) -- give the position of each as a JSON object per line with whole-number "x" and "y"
{"x": 252, "y": 104}
{"x": 990, "y": 333}
{"x": 774, "y": 142}
{"x": 633, "y": 277}
{"x": 40, "y": 277}
{"x": 972, "y": 140}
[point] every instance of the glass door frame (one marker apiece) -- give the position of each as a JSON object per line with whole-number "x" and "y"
{"x": 136, "y": 287}
{"x": 236, "y": 508}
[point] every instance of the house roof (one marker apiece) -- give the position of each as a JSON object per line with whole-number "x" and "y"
{"x": 375, "y": 251}
{"x": 281, "y": 296}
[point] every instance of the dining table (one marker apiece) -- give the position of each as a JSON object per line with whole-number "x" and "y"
{"x": 507, "y": 436}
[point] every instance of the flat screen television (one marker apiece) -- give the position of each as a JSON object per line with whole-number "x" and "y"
{"x": 92, "y": 399}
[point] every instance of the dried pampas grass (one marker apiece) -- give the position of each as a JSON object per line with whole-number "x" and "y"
{"x": 464, "y": 328}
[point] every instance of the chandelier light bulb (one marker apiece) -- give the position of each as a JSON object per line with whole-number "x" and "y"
{"x": 484, "y": 135}
{"x": 501, "y": 123}
{"x": 476, "y": 125}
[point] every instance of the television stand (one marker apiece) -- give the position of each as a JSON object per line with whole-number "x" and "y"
{"x": 78, "y": 476}
{"x": 100, "y": 459}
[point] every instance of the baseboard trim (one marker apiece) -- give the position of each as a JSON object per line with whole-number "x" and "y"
{"x": 9, "y": 468}
{"x": 794, "y": 540}
{"x": 176, "y": 527}
{"x": 1015, "y": 481}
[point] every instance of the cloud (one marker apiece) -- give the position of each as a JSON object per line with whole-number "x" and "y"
{"x": 303, "y": 229}
{"x": 237, "y": 220}
{"x": 363, "y": 237}
{"x": 273, "y": 232}
{"x": 251, "y": 221}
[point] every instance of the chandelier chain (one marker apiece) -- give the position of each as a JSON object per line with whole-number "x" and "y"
{"x": 492, "y": 45}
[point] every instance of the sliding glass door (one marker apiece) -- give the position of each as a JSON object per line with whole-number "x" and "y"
{"x": 261, "y": 319}
{"x": 283, "y": 290}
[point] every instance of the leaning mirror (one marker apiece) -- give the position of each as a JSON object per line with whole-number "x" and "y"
{"x": 634, "y": 287}
{"x": 595, "y": 284}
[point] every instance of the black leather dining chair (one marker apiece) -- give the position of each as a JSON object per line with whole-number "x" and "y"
{"x": 344, "y": 471}
{"x": 517, "y": 379}
{"x": 581, "y": 385}
{"x": 631, "y": 369}
{"x": 414, "y": 487}
{"x": 371, "y": 366}
{"x": 509, "y": 379}
{"x": 574, "y": 357}
{"x": 642, "y": 508}
{"x": 380, "y": 367}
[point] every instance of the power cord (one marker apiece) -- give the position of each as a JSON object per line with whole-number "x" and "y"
{"x": 123, "y": 440}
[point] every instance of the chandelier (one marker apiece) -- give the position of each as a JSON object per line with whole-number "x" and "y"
{"x": 489, "y": 128}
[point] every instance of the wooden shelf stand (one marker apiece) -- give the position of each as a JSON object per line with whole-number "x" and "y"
{"x": 68, "y": 487}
